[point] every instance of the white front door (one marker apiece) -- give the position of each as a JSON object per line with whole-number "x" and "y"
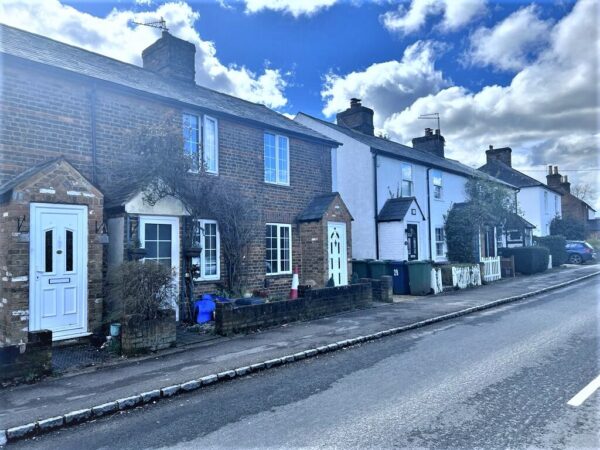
{"x": 58, "y": 269}
{"x": 338, "y": 259}
{"x": 159, "y": 235}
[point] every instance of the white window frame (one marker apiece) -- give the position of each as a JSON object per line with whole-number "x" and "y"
{"x": 202, "y": 119}
{"x": 279, "y": 227}
{"x": 204, "y": 146}
{"x": 441, "y": 185}
{"x": 402, "y": 180}
{"x": 443, "y": 242}
{"x": 201, "y": 259}
{"x": 277, "y": 181}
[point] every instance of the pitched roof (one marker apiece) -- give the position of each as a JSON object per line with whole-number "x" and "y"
{"x": 6, "y": 188}
{"x": 395, "y": 209}
{"x": 512, "y": 176}
{"x": 516, "y": 221}
{"x": 40, "y": 49}
{"x": 317, "y": 208}
{"x": 408, "y": 153}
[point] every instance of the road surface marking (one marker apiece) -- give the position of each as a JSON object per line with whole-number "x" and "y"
{"x": 585, "y": 392}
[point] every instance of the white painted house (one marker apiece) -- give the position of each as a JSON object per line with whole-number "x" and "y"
{"x": 398, "y": 195}
{"x": 538, "y": 203}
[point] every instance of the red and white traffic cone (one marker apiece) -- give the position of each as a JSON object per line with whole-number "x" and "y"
{"x": 295, "y": 282}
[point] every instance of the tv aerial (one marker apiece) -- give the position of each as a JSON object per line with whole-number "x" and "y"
{"x": 161, "y": 24}
{"x": 435, "y": 116}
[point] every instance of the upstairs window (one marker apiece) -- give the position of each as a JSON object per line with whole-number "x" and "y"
{"x": 407, "y": 184}
{"x": 277, "y": 163}
{"x": 437, "y": 184}
{"x": 200, "y": 142}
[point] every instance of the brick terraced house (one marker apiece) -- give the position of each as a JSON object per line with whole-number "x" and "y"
{"x": 65, "y": 113}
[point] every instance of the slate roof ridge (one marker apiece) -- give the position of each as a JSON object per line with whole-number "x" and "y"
{"x": 135, "y": 80}
{"x": 426, "y": 158}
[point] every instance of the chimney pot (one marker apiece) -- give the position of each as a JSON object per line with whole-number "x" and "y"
{"x": 428, "y": 132}
{"x": 491, "y": 147}
{"x": 550, "y": 169}
{"x": 555, "y": 170}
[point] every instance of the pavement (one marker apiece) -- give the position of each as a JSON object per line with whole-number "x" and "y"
{"x": 52, "y": 398}
{"x": 500, "y": 378}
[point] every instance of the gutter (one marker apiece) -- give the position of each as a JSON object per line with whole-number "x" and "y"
{"x": 93, "y": 134}
{"x": 375, "y": 205}
{"x": 429, "y": 216}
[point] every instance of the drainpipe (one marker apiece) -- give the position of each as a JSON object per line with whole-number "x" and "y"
{"x": 93, "y": 133}
{"x": 375, "y": 199}
{"x": 429, "y": 216}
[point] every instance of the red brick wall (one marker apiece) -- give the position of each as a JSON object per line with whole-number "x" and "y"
{"x": 44, "y": 115}
{"x": 14, "y": 257}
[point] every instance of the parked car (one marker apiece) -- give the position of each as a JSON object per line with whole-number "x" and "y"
{"x": 579, "y": 252}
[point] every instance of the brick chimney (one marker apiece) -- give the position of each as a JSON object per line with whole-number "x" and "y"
{"x": 357, "y": 117}
{"x": 565, "y": 185}
{"x": 553, "y": 179}
{"x": 171, "y": 57}
{"x": 432, "y": 142}
{"x": 500, "y": 154}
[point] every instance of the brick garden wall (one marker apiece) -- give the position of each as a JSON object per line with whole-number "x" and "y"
{"x": 143, "y": 336}
{"x": 29, "y": 361}
{"x": 314, "y": 303}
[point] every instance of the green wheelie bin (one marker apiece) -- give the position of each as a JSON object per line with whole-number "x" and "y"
{"x": 419, "y": 277}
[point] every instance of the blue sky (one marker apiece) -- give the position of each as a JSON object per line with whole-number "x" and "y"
{"x": 516, "y": 73}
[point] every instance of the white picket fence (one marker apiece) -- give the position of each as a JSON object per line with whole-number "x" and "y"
{"x": 491, "y": 269}
{"x": 465, "y": 276}
{"x": 436, "y": 280}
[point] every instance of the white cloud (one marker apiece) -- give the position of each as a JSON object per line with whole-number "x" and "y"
{"x": 388, "y": 85}
{"x": 456, "y": 14}
{"x": 548, "y": 114}
{"x": 296, "y": 8}
{"x": 512, "y": 43}
{"x": 115, "y": 36}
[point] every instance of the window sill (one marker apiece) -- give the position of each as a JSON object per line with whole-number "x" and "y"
{"x": 278, "y": 274}
{"x": 206, "y": 280}
{"x": 283, "y": 185}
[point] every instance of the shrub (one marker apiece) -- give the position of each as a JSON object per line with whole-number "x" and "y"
{"x": 460, "y": 235}
{"x": 571, "y": 229}
{"x": 139, "y": 288}
{"x": 528, "y": 260}
{"x": 556, "y": 246}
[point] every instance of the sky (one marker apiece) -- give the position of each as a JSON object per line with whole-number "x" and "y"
{"x": 510, "y": 73}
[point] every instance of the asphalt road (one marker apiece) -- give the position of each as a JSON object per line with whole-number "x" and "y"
{"x": 497, "y": 379}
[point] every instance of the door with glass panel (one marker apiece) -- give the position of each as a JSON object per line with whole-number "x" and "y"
{"x": 160, "y": 237}
{"x": 58, "y": 269}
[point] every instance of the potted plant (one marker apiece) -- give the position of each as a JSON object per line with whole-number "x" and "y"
{"x": 193, "y": 232}
{"x": 136, "y": 251}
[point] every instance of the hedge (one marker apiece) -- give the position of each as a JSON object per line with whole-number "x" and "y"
{"x": 556, "y": 246}
{"x": 528, "y": 260}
